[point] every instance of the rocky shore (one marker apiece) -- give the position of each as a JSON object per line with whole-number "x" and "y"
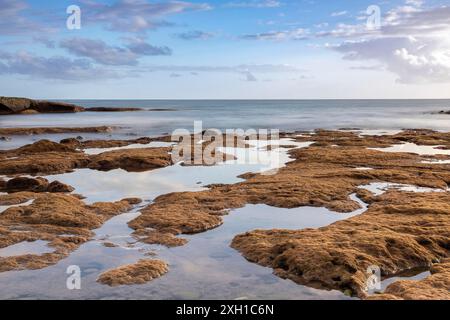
{"x": 13, "y": 105}
{"x": 400, "y": 230}
{"x": 53, "y": 130}
{"x": 138, "y": 273}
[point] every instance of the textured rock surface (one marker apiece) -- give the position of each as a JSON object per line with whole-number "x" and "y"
{"x": 434, "y": 287}
{"x": 54, "y": 130}
{"x": 51, "y": 217}
{"x": 132, "y": 160}
{"x": 27, "y": 184}
{"x": 139, "y": 273}
{"x": 112, "y": 109}
{"x": 400, "y": 231}
{"x": 19, "y": 105}
{"x": 47, "y": 157}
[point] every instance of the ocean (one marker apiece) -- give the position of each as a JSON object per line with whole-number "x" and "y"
{"x": 286, "y": 115}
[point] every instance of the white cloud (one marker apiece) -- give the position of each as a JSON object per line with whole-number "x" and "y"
{"x": 56, "y": 67}
{"x": 339, "y": 13}
{"x": 296, "y": 34}
{"x": 413, "y": 43}
{"x": 102, "y": 53}
{"x": 136, "y": 15}
{"x": 254, "y": 4}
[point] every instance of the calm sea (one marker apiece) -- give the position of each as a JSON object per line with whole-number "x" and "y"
{"x": 286, "y": 115}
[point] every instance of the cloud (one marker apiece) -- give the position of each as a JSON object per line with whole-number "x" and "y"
{"x": 242, "y": 68}
{"x": 368, "y": 68}
{"x": 339, "y": 13}
{"x": 297, "y": 34}
{"x": 136, "y": 15}
{"x": 140, "y": 47}
{"x": 254, "y": 4}
{"x": 57, "y": 67}
{"x": 14, "y": 19}
{"x": 194, "y": 35}
{"x": 413, "y": 61}
{"x": 102, "y": 53}
{"x": 412, "y": 42}
{"x": 50, "y": 44}
{"x": 248, "y": 70}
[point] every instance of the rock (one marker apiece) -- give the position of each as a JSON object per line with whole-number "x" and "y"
{"x": 21, "y": 184}
{"x": 5, "y": 139}
{"x": 72, "y": 142}
{"x": 55, "y": 107}
{"x": 10, "y": 105}
{"x": 434, "y": 287}
{"x": 43, "y": 163}
{"x": 47, "y": 157}
{"x": 42, "y": 146}
{"x": 54, "y": 130}
{"x": 321, "y": 176}
{"x": 51, "y": 217}
{"x": 57, "y": 186}
{"x": 112, "y": 109}
{"x": 141, "y": 272}
{"x": 109, "y": 245}
{"x": 27, "y": 184}
{"x": 391, "y": 234}
{"x": 132, "y": 160}
{"x": 14, "y": 105}
{"x": 29, "y": 111}
{"x": 155, "y": 237}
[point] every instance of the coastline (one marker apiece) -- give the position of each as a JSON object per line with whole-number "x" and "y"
{"x": 322, "y": 175}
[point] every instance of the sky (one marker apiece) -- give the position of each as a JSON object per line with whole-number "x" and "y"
{"x": 231, "y": 49}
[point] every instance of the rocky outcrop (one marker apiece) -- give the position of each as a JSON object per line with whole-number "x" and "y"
{"x": 112, "y": 109}
{"x": 57, "y": 186}
{"x": 39, "y": 184}
{"x": 10, "y": 105}
{"x": 20, "y": 184}
{"x": 62, "y": 220}
{"x": 43, "y": 146}
{"x": 399, "y": 232}
{"x": 434, "y": 287}
{"x": 132, "y": 160}
{"x": 102, "y": 144}
{"x": 42, "y": 157}
{"x": 139, "y": 273}
{"x": 13, "y": 105}
{"x": 47, "y": 157}
{"x": 156, "y": 237}
{"x": 54, "y": 130}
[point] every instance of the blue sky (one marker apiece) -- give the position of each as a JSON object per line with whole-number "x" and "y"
{"x": 236, "y": 49}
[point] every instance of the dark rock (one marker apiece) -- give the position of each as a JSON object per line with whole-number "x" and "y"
{"x": 112, "y": 109}
{"x": 27, "y": 184}
{"x": 72, "y": 142}
{"x": 14, "y": 105}
{"x": 57, "y": 186}
{"x": 11, "y": 105}
{"x": 44, "y": 146}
